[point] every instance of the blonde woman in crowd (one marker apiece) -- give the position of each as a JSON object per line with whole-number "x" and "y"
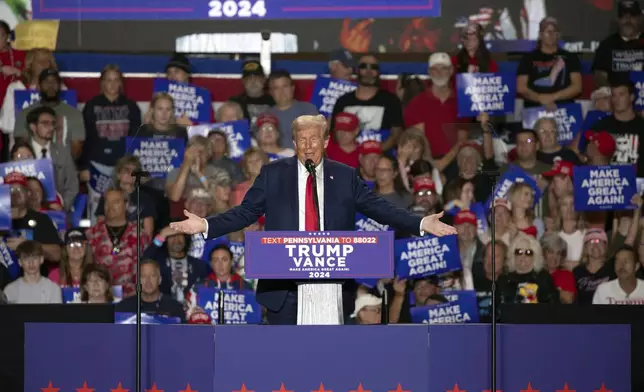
{"x": 36, "y": 61}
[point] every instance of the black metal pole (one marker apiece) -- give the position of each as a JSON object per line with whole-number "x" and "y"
{"x": 220, "y": 309}
{"x": 137, "y": 183}
{"x": 493, "y": 177}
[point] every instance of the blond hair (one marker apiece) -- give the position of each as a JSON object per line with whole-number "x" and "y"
{"x": 416, "y": 135}
{"x": 30, "y": 57}
{"x": 232, "y": 105}
{"x": 533, "y": 244}
{"x": 159, "y": 97}
{"x": 310, "y": 121}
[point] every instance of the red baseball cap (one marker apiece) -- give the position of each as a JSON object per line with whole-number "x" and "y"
{"x": 465, "y": 216}
{"x": 424, "y": 183}
{"x": 16, "y": 178}
{"x": 560, "y": 168}
{"x": 266, "y": 118}
{"x": 347, "y": 122}
{"x": 370, "y": 147}
{"x": 604, "y": 141}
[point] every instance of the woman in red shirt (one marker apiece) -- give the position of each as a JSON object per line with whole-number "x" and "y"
{"x": 474, "y": 57}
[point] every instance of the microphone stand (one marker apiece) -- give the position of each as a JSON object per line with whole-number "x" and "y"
{"x": 138, "y": 174}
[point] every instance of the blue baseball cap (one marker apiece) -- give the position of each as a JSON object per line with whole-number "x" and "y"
{"x": 343, "y": 56}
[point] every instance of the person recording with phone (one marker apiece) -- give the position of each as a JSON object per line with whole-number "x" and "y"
{"x": 288, "y": 184}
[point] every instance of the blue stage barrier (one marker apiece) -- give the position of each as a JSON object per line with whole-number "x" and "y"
{"x": 396, "y": 358}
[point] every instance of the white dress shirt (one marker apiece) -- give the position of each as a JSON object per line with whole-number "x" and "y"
{"x": 38, "y": 149}
{"x": 302, "y": 177}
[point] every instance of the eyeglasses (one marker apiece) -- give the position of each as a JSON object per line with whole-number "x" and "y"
{"x": 595, "y": 241}
{"x": 75, "y": 244}
{"x": 424, "y": 193}
{"x": 521, "y": 252}
{"x": 374, "y": 67}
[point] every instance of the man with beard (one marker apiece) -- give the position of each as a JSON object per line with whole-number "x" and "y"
{"x": 375, "y": 108}
{"x": 254, "y": 100}
{"x": 435, "y": 106}
{"x": 623, "y": 51}
{"x": 70, "y": 128}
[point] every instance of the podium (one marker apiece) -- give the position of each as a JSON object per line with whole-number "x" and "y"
{"x": 319, "y": 261}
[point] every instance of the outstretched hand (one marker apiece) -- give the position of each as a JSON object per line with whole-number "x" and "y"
{"x": 192, "y": 225}
{"x": 432, "y": 225}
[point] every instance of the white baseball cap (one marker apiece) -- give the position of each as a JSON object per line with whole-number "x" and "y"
{"x": 439, "y": 58}
{"x": 365, "y": 300}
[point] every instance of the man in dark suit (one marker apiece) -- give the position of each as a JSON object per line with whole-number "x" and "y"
{"x": 283, "y": 193}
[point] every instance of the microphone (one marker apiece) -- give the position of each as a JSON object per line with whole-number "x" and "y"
{"x": 141, "y": 174}
{"x": 310, "y": 167}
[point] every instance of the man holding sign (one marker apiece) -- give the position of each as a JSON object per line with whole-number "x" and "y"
{"x": 283, "y": 192}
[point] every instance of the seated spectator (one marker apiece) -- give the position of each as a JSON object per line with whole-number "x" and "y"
{"x": 220, "y": 159}
{"x": 195, "y": 171}
{"x": 113, "y": 241}
{"x": 594, "y": 268}
{"x": 32, "y": 287}
{"x": 179, "y": 270}
{"x": 28, "y": 222}
{"x": 254, "y": 100}
{"x": 251, "y": 164}
{"x": 368, "y": 310}
{"x": 458, "y": 195}
{"x": 342, "y": 145}
{"x": 424, "y": 288}
{"x": 389, "y": 184}
{"x": 268, "y": 137}
{"x": 560, "y": 186}
{"x": 627, "y": 289}
{"x": 75, "y": 256}
{"x": 469, "y": 245}
{"x": 36, "y": 60}
{"x": 369, "y": 154}
{"x": 286, "y": 108}
{"x": 160, "y": 120}
{"x": 221, "y": 190}
{"x": 413, "y": 147}
{"x": 42, "y": 122}
{"x": 554, "y": 254}
{"x": 550, "y": 150}
{"x": 122, "y": 179}
{"x": 527, "y": 282}
{"x": 69, "y": 127}
{"x": 572, "y": 231}
{"x": 376, "y": 107}
{"x": 109, "y": 117}
{"x": 152, "y": 300}
{"x": 223, "y": 274}
{"x": 96, "y": 285}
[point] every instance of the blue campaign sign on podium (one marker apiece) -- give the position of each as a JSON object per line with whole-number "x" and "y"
{"x": 319, "y": 255}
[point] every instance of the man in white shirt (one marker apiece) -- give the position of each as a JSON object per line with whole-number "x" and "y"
{"x": 626, "y": 289}
{"x": 32, "y": 287}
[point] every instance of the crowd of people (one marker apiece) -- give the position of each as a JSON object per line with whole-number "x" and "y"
{"x": 546, "y": 251}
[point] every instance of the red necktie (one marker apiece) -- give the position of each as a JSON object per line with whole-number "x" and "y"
{"x": 310, "y": 214}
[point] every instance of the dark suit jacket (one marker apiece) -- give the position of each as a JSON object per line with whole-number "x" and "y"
{"x": 274, "y": 194}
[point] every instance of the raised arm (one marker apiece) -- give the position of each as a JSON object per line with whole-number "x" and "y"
{"x": 235, "y": 219}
